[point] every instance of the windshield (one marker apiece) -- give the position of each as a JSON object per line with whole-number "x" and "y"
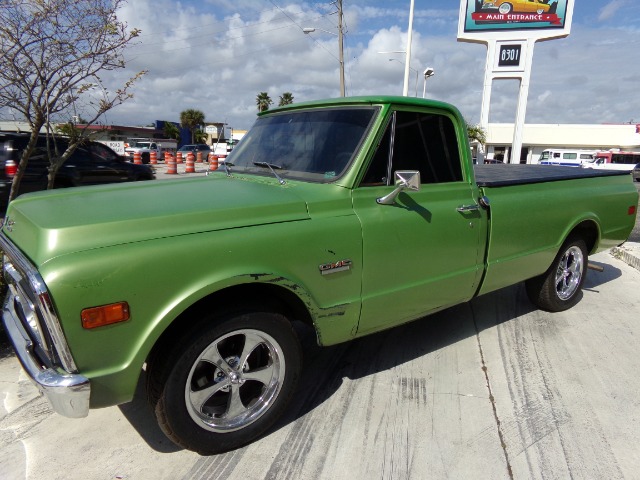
{"x": 141, "y": 145}
{"x": 314, "y": 145}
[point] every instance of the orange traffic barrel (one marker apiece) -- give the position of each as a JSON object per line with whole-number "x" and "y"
{"x": 172, "y": 167}
{"x": 213, "y": 161}
{"x": 190, "y": 167}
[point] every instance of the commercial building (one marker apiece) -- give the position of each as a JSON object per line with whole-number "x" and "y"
{"x": 538, "y": 137}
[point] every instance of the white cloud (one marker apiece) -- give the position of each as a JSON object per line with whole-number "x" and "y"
{"x": 218, "y": 60}
{"x": 544, "y": 96}
{"x": 610, "y": 9}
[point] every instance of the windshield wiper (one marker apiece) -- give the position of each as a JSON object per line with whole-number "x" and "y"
{"x": 271, "y": 167}
{"x": 226, "y": 167}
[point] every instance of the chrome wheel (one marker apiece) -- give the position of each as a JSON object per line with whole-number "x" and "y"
{"x": 569, "y": 273}
{"x": 235, "y": 380}
{"x": 559, "y": 287}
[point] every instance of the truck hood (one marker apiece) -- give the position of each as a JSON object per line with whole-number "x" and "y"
{"x": 48, "y": 224}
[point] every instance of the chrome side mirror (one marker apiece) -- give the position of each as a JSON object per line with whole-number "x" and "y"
{"x": 405, "y": 180}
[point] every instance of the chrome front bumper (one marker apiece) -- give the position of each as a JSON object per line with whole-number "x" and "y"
{"x": 68, "y": 393}
{"x": 34, "y": 329}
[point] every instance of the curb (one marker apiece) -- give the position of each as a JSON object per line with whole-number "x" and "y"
{"x": 628, "y": 253}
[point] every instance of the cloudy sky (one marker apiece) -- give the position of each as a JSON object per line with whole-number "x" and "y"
{"x": 217, "y": 55}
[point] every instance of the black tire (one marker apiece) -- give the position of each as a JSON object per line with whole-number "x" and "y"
{"x": 202, "y": 380}
{"x": 560, "y": 287}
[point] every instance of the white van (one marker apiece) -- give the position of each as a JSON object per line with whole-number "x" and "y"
{"x": 566, "y": 157}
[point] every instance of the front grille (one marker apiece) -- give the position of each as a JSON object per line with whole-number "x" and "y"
{"x": 30, "y": 316}
{"x": 34, "y": 308}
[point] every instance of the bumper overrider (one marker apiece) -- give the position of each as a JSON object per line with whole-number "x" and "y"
{"x": 35, "y": 332}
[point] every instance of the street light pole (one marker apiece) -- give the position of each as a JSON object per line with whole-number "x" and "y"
{"x": 429, "y": 72}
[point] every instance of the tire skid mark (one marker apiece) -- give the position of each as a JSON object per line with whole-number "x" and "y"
{"x": 24, "y": 419}
{"x": 292, "y": 460}
{"x": 536, "y": 351}
{"x": 220, "y": 466}
{"x": 580, "y": 464}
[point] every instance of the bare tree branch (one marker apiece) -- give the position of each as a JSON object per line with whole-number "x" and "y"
{"x": 52, "y": 54}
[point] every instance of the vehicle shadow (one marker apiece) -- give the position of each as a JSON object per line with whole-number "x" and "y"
{"x": 5, "y": 346}
{"x": 325, "y": 368}
{"x": 595, "y": 278}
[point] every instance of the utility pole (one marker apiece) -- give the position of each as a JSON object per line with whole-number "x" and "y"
{"x": 340, "y": 46}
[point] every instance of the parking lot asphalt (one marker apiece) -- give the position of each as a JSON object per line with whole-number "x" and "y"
{"x": 490, "y": 389}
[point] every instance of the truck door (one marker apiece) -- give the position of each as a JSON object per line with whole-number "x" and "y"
{"x": 424, "y": 252}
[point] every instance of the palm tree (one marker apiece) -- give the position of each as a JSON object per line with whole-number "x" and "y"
{"x": 477, "y": 133}
{"x": 191, "y": 119}
{"x": 200, "y": 136}
{"x": 286, "y": 99}
{"x": 171, "y": 130}
{"x": 263, "y": 100}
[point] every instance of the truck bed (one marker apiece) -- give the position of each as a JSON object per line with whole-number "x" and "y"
{"x": 506, "y": 175}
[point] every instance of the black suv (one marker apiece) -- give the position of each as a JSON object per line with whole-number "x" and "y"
{"x": 91, "y": 164}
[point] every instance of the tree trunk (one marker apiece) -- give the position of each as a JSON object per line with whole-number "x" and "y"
{"x": 24, "y": 158}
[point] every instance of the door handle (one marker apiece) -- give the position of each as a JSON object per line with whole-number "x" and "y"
{"x": 468, "y": 208}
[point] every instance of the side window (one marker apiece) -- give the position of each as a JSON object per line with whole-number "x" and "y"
{"x": 102, "y": 153}
{"x": 425, "y": 142}
{"x": 81, "y": 156}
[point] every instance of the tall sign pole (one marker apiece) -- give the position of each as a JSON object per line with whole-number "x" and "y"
{"x": 510, "y": 31}
{"x": 407, "y": 62}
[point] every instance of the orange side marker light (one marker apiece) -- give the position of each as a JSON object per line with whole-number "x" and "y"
{"x": 104, "y": 315}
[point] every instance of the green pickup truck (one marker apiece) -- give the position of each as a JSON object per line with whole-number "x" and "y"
{"x": 351, "y": 215}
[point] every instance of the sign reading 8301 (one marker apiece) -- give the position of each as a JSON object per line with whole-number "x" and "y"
{"x": 509, "y": 55}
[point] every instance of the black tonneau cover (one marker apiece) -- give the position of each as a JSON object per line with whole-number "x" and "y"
{"x": 508, "y": 174}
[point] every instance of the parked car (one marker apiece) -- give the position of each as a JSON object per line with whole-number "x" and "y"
{"x": 199, "y": 147}
{"x": 636, "y": 173}
{"x": 91, "y": 164}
